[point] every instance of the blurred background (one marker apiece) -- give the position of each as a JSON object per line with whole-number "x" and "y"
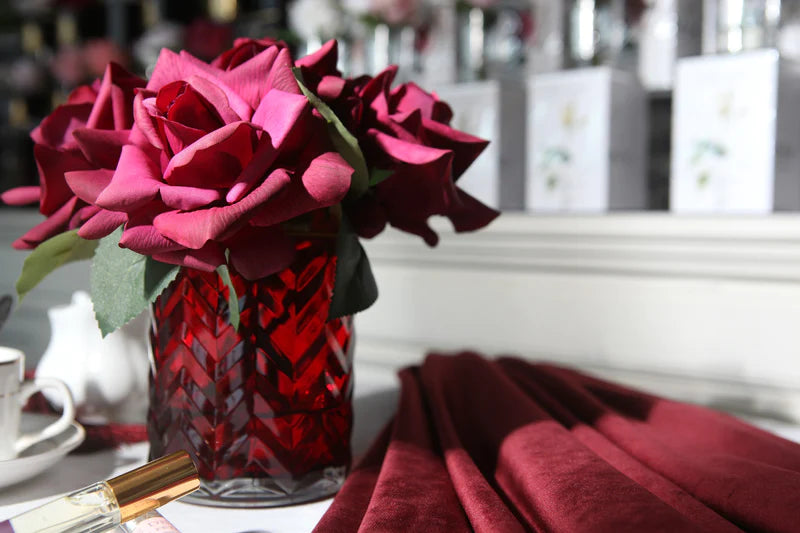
{"x": 48, "y": 47}
{"x": 606, "y": 117}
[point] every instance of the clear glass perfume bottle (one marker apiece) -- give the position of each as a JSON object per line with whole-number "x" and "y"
{"x": 151, "y": 522}
{"x": 104, "y": 505}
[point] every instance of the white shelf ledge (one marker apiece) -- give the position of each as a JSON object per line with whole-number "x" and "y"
{"x": 652, "y": 244}
{"x": 711, "y": 303}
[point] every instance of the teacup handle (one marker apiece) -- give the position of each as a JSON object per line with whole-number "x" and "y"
{"x": 28, "y": 389}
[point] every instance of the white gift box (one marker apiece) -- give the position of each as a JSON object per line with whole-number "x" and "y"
{"x": 493, "y": 110}
{"x": 587, "y": 141}
{"x": 736, "y": 134}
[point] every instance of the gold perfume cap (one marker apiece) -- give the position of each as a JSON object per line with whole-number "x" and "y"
{"x": 154, "y": 484}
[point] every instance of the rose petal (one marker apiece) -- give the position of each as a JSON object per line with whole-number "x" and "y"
{"x": 281, "y": 76}
{"x": 273, "y": 252}
{"x": 379, "y": 84}
{"x": 411, "y": 96}
{"x": 101, "y": 147}
{"x": 173, "y": 67}
{"x": 263, "y": 158}
{"x": 404, "y": 126}
{"x": 55, "y": 131}
{"x": 208, "y": 258}
{"x": 215, "y": 160}
{"x": 51, "y": 226}
{"x": 465, "y": 147}
{"x": 416, "y": 226}
{"x": 84, "y": 94}
{"x": 470, "y": 214}
{"x": 279, "y": 113}
{"x": 112, "y": 109}
{"x": 230, "y": 106}
{"x": 244, "y": 49}
{"x": 82, "y": 215}
{"x": 195, "y": 228}
{"x": 413, "y": 153}
{"x": 88, "y": 184}
{"x": 181, "y": 103}
{"x": 178, "y": 136}
{"x": 327, "y": 178}
{"x": 146, "y": 240}
{"x": 143, "y": 118}
{"x": 323, "y": 61}
{"x": 21, "y": 195}
{"x": 188, "y": 198}
{"x": 380, "y": 103}
{"x": 324, "y": 183}
{"x": 247, "y": 79}
{"x": 52, "y": 165}
{"x": 102, "y": 224}
{"x": 331, "y": 87}
{"x": 135, "y": 182}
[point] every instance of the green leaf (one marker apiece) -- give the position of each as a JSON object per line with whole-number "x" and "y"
{"x": 233, "y": 298}
{"x": 355, "y": 288}
{"x": 378, "y": 175}
{"x": 344, "y": 141}
{"x": 157, "y": 277}
{"x": 50, "y": 255}
{"x": 124, "y": 283}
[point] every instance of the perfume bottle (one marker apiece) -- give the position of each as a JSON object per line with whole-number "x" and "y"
{"x": 151, "y": 522}
{"x": 105, "y": 505}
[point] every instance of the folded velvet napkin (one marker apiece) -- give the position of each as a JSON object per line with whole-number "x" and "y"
{"x": 507, "y": 446}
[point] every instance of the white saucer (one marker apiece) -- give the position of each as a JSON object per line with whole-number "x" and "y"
{"x": 42, "y": 455}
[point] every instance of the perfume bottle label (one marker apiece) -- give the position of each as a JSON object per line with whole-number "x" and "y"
{"x": 5, "y": 527}
{"x": 153, "y": 525}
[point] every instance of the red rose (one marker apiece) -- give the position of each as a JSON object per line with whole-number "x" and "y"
{"x": 244, "y": 49}
{"x": 205, "y": 38}
{"x": 406, "y": 131}
{"x": 84, "y": 137}
{"x": 218, "y": 160}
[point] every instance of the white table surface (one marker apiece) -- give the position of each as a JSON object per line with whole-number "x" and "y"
{"x": 376, "y": 391}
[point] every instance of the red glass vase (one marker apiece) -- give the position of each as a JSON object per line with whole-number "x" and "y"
{"x": 265, "y": 410}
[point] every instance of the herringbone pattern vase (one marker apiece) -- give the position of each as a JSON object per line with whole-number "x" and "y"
{"x": 265, "y": 411}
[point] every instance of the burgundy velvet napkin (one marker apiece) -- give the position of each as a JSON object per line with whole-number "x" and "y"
{"x": 506, "y": 446}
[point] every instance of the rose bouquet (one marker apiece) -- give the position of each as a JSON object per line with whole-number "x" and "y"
{"x": 229, "y": 198}
{"x": 213, "y": 166}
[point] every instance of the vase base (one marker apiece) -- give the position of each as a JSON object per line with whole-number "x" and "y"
{"x": 268, "y": 492}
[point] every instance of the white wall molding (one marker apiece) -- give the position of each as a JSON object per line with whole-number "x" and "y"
{"x": 741, "y": 248}
{"x": 688, "y": 306}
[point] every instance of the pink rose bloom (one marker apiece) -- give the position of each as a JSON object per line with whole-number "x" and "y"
{"x": 82, "y": 137}
{"x": 219, "y": 160}
{"x": 406, "y": 131}
{"x": 244, "y": 49}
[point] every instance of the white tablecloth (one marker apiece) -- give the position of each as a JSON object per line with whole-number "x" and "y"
{"x": 376, "y": 391}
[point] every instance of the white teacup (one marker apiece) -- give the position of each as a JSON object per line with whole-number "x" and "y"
{"x": 14, "y": 393}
